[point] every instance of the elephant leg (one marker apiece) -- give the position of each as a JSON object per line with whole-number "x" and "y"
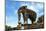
{"x": 32, "y": 18}
{"x": 25, "y": 19}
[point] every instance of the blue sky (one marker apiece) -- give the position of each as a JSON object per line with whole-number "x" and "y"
{"x": 13, "y": 6}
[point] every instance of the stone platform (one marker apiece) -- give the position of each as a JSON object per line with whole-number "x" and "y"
{"x": 29, "y": 26}
{"x": 33, "y": 26}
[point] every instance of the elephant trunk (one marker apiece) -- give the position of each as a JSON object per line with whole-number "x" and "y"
{"x": 19, "y": 15}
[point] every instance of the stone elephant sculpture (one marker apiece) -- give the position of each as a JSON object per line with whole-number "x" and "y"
{"x": 41, "y": 19}
{"x": 27, "y": 13}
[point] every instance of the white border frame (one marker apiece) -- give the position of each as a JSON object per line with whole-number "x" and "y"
{"x": 2, "y": 17}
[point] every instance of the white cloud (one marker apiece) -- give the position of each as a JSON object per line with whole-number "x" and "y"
{"x": 23, "y": 4}
{"x": 13, "y": 25}
{"x": 39, "y": 6}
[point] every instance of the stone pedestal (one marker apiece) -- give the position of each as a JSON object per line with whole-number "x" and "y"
{"x": 19, "y": 25}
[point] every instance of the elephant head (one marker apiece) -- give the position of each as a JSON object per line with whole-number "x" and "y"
{"x": 20, "y": 11}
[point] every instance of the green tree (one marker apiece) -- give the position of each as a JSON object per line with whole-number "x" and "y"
{"x": 7, "y": 28}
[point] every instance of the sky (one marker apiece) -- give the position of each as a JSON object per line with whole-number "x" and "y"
{"x": 13, "y": 6}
